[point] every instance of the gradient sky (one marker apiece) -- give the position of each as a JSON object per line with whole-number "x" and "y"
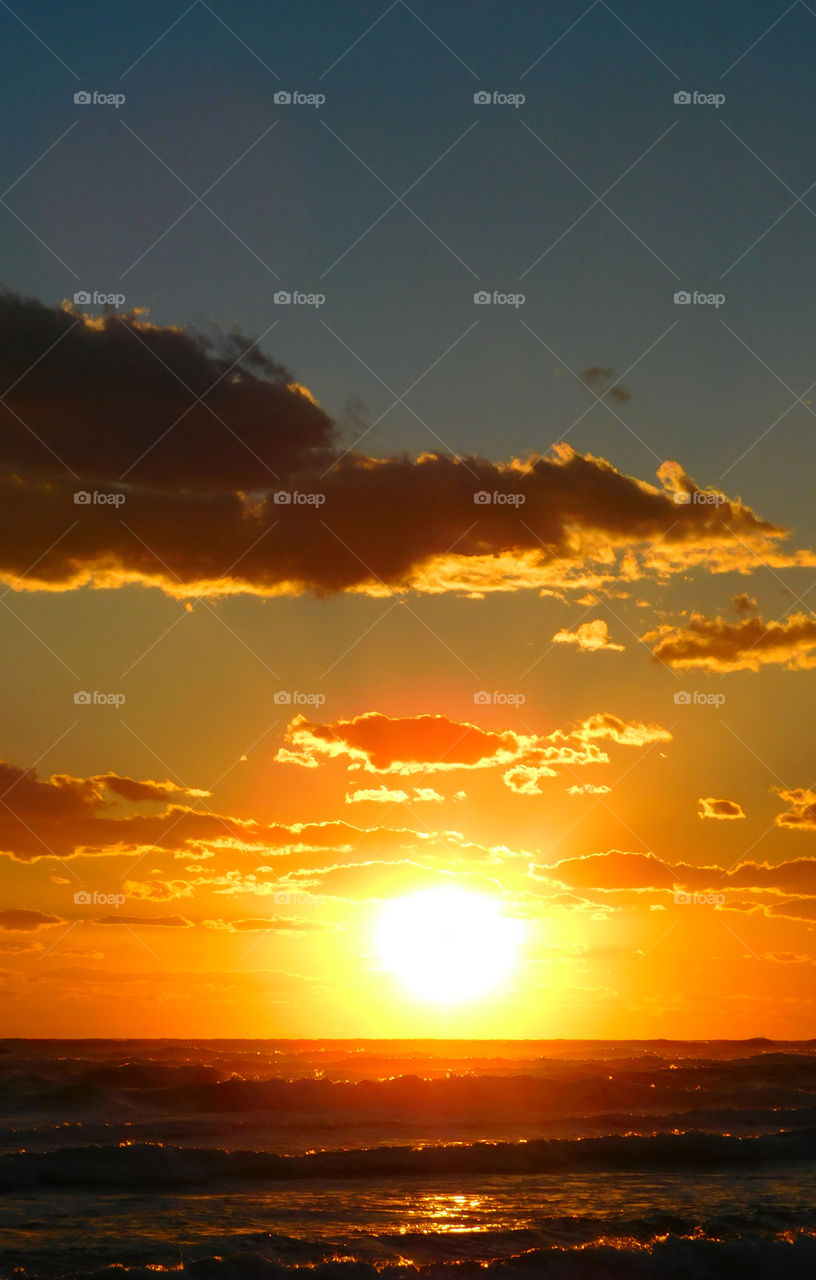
{"x": 588, "y": 609}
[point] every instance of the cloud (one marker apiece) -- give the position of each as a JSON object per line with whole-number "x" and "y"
{"x": 714, "y": 644}
{"x": 376, "y": 879}
{"x": 743, "y": 604}
{"x": 801, "y": 816}
{"x": 588, "y": 789}
{"x": 399, "y": 744}
{"x": 589, "y": 637}
{"x": 158, "y": 890}
{"x": 131, "y": 789}
{"x": 209, "y": 430}
{"x": 615, "y": 871}
{"x": 407, "y": 745}
{"x": 711, "y": 808}
{"x": 139, "y": 922}
{"x": 386, "y": 795}
{"x": 64, "y": 816}
{"x": 278, "y": 924}
{"x": 20, "y": 919}
{"x": 626, "y": 733}
{"x": 524, "y": 778}
{"x": 596, "y": 377}
{"x": 795, "y": 909}
{"x": 146, "y": 378}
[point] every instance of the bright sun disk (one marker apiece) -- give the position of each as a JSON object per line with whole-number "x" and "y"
{"x": 447, "y": 945}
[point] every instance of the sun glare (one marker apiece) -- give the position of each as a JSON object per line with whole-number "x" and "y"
{"x": 447, "y": 945}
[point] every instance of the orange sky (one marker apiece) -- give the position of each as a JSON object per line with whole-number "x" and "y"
{"x": 228, "y": 752}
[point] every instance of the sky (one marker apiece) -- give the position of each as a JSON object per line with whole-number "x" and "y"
{"x": 406, "y": 439}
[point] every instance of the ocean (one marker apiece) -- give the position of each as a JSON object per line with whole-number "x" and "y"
{"x": 353, "y": 1159}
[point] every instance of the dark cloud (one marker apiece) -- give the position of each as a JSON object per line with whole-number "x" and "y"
{"x": 597, "y": 378}
{"x": 114, "y": 401}
{"x": 98, "y": 394}
{"x": 20, "y": 919}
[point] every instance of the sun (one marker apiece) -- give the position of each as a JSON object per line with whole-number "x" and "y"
{"x": 447, "y": 945}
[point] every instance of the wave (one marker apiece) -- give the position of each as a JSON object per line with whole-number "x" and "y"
{"x": 672, "y": 1256}
{"x": 146, "y": 1165}
{"x": 759, "y": 1083}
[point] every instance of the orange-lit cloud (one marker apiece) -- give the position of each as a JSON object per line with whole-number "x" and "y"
{"x": 589, "y": 637}
{"x": 160, "y": 922}
{"x": 724, "y": 809}
{"x": 616, "y": 870}
{"x": 407, "y": 745}
{"x": 387, "y": 795}
{"x": 714, "y": 644}
{"x": 626, "y": 733}
{"x": 743, "y": 604}
{"x": 801, "y": 816}
{"x": 403, "y": 745}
